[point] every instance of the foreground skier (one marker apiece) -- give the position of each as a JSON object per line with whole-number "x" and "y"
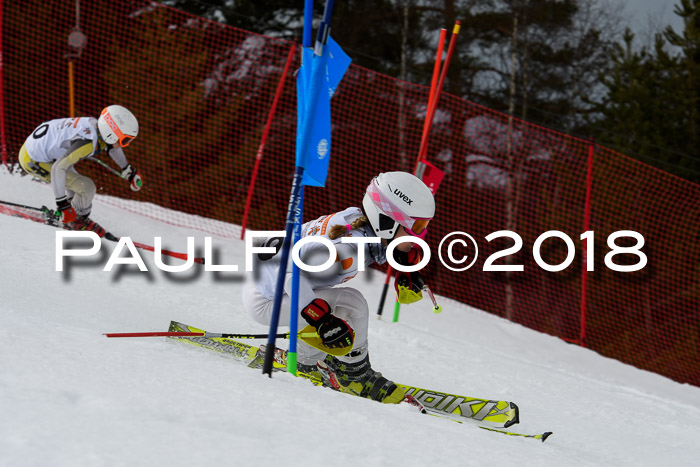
{"x": 395, "y": 204}
{"x": 54, "y": 147}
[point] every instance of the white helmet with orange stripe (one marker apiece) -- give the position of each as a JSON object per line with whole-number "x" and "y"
{"x": 398, "y": 198}
{"x": 117, "y": 125}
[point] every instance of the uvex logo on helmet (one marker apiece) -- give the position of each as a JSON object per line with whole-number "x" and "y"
{"x": 401, "y": 195}
{"x": 386, "y": 213}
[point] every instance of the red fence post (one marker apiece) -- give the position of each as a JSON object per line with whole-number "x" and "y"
{"x": 263, "y": 140}
{"x": 586, "y": 227}
{"x": 3, "y": 143}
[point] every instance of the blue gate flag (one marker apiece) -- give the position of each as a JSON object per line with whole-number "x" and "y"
{"x": 318, "y": 74}
{"x": 310, "y": 98}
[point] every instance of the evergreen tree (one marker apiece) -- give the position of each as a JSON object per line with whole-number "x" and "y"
{"x": 277, "y": 18}
{"x": 374, "y": 44}
{"x": 689, "y": 70}
{"x": 650, "y": 110}
{"x": 536, "y": 57}
{"x": 558, "y": 45}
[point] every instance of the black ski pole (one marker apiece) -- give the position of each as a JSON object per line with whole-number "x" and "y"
{"x": 22, "y": 206}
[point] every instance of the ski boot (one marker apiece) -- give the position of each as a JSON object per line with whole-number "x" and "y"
{"x": 359, "y": 379}
{"x": 85, "y": 223}
{"x": 309, "y": 372}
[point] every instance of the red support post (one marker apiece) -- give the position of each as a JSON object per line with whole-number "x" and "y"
{"x": 3, "y": 132}
{"x": 586, "y": 227}
{"x": 263, "y": 141}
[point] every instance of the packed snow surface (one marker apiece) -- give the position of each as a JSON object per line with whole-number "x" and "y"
{"x": 69, "y": 396}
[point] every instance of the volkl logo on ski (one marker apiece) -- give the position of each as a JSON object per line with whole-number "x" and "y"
{"x": 475, "y": 409}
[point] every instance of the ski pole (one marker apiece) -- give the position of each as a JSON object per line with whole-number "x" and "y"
{"x": 22, "y": 206}
{"x": 111, "y": 169}
{"x": 173, "y": 254}
{"x": 205, "y": 334}
{"x": 384, "y": 291}
{"x": 109, "y": 236}
{"x": 436, "y": 308}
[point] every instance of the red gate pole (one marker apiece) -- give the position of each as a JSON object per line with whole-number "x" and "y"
{"x": 423, "y": 152}
{"x": 436, "y": 85}
{"x": 265, "y": 135}
{"x": 3, "y": 143}
{"x": 586, "y": 227}
{"x": 426, "y": 129}
{"x": 432, "y": 96}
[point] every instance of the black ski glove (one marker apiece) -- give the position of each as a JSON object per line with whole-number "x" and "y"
{"x": 333, "y": 331}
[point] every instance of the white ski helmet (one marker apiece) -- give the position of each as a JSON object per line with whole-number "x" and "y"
{"x": 398, "y": 198}
{"x": 117, "y": 125}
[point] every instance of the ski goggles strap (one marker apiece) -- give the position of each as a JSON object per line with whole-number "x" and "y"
{"x": 419, "y": 227}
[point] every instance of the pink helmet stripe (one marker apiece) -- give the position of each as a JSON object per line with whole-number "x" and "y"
{"x": 390, "y": 209}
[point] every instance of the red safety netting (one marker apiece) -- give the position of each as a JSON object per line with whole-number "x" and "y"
{"x": 202, "y": 92}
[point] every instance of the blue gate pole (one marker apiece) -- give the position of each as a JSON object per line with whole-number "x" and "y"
{"x": 293, "y": 209}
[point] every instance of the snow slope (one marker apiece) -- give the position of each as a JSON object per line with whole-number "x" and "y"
{"x": 71, "y": 397}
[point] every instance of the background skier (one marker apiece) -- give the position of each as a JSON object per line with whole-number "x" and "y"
{"x": 54, "y": 147}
